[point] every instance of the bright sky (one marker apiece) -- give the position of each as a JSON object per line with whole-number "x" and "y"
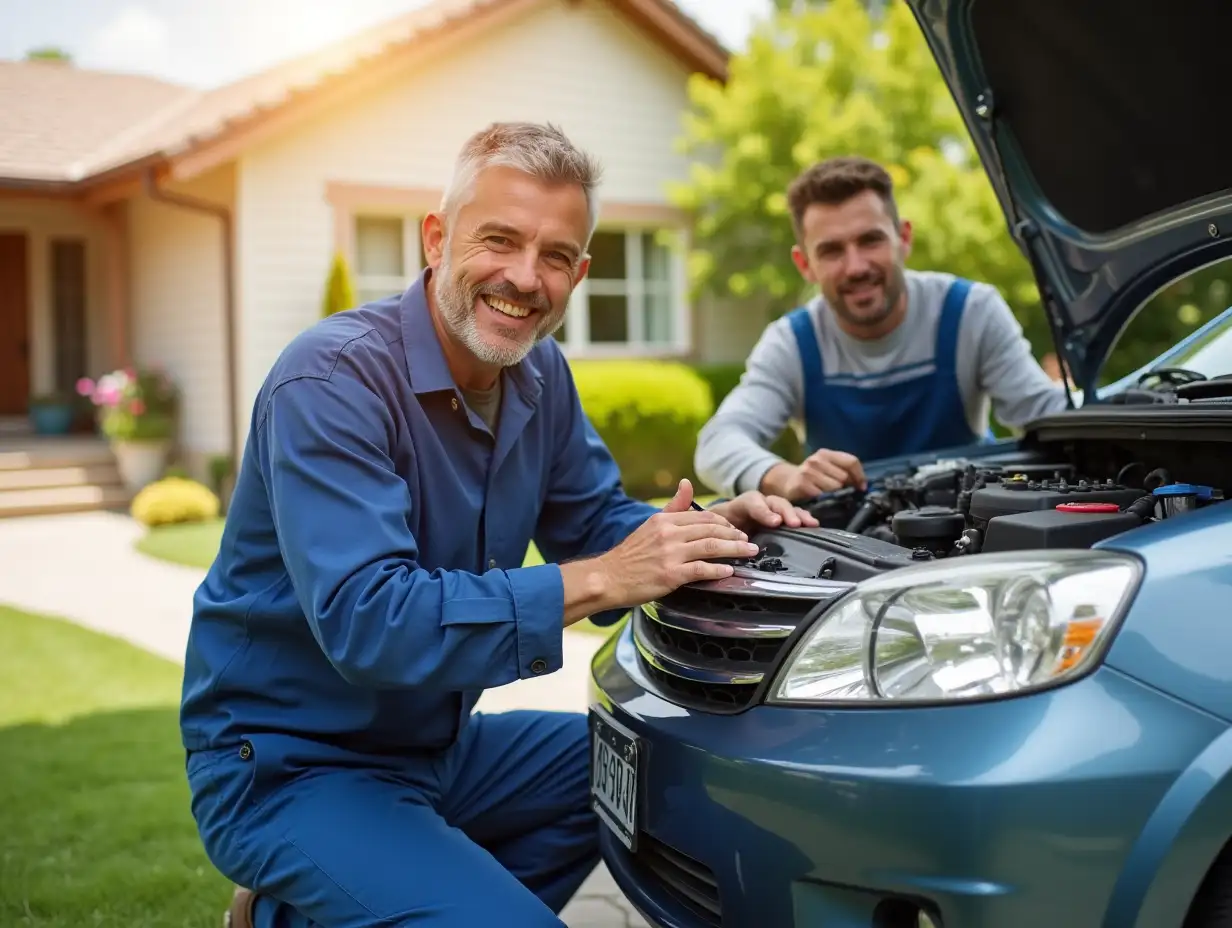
{"x": 204, "y": 43}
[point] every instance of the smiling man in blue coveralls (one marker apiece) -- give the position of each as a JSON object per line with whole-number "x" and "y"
{"x": 885, "y": 361}
{"x": 370, "y": 583}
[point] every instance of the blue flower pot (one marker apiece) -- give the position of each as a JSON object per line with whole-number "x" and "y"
{"x": 52, "y": 418}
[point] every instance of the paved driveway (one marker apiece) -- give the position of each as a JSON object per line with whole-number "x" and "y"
{"x": 84, "y": 567}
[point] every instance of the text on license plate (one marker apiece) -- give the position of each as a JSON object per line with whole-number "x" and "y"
{"x": 613, "y": 773}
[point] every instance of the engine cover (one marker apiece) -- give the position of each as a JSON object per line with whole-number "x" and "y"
{"x": 1017, "y": 495}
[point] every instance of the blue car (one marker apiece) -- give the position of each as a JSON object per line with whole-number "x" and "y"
{"x": 994, "y": 689}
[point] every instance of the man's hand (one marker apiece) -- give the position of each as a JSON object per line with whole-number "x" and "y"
{"x": 671, "y": 548}
{"x": 822, "y": 472}
{"x": 753, "y": 510}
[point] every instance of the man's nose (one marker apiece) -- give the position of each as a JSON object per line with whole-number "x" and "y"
{"x": 855, "y": 263}
{"x": 523, "y": 273}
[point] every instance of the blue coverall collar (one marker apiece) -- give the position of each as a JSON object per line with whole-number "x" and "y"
{"x": 426, "y": 365}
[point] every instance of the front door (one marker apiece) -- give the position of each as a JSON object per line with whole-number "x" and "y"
{"x": 14, "y": 324}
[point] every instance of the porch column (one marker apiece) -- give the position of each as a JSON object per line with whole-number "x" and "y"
{"x": 115, "y": 221}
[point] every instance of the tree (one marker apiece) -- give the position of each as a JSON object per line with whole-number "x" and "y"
{"x": 339, "y": 288}
{"x": 830, "y": 79}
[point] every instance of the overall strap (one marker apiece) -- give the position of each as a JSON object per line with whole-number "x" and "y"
{"x": 801, "y": 321}
{"x": 946, "y": 354}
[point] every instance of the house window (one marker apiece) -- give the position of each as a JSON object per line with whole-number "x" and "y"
{"x": 632, "y": 301}
{"x": 388, "y": 255}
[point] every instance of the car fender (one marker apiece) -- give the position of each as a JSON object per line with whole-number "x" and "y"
{"x": 1177, "y": 845}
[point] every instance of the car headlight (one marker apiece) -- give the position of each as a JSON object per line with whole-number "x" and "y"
{"x": 971, "y": 628}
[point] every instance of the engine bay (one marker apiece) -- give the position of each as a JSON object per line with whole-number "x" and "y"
{"x": 959, "y": 507}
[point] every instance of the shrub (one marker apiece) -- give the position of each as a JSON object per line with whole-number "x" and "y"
{"x": 133, "y": 405}
{"x": 174, "y": 500}
{"x": 648, "y": 413}
{"x": 339, "y": 288}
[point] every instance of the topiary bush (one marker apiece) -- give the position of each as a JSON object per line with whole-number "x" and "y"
{"x": 173, "y": 500}
{"x": 648, "y": 413}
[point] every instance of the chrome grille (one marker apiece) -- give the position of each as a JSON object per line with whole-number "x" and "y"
{"x": 709, "y": 646}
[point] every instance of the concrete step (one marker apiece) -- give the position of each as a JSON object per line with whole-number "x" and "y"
{"x": 36, "y": 478}
{"x": 50, "y": 500}
{"x": 22, "y": 454}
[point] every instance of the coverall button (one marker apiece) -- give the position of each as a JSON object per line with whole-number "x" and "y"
{"x": 492, "y": 562}
{"x": 245, "y": 751}
{"x": 538, "y": 665}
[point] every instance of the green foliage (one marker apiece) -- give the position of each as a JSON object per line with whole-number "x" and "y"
{"x": 173, "y": 501}
{"x": 339, "y": 287}
{"x": 49, "y": 53}
{"x": 837, "y": 79}
{"x": 648, "y": 414}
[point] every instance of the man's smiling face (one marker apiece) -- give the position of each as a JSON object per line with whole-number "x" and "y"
{"x": 505, "y": 266}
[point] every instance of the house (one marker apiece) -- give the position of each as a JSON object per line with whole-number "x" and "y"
{"x": 145, "y": 222}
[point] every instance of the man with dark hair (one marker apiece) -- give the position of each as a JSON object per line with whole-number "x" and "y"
{"x": 884, "y": 361}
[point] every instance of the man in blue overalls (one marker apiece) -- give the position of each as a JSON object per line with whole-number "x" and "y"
{"x": 885, "y": 361}
{"x": 370, "y": 584}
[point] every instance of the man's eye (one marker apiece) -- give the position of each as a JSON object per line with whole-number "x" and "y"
{"x": 498, "y": 240}
{"x": 557, "y": 257}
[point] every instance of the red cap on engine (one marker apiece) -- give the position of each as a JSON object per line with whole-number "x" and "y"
{"x": 1088, "y": 507}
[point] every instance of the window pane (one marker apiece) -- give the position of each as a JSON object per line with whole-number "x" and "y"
{"x": 656, "y": 260}
{"x": 607, "y": 256}
{"x": 378, "y": 246}
{"x": 372, "y": 294}
{"x": 657, "y": 317}
{"x": 609, "y": 319}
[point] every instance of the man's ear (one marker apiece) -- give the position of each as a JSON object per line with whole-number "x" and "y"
{"x": 906, "y": 235}
{"x": 583, "y": 269}
{"x": 802, "y": 265}
{"x": 432, "y": 234}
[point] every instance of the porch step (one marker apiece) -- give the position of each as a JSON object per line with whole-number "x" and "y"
{"x": 44, "y": 476}
{"x": 55, "y": 500}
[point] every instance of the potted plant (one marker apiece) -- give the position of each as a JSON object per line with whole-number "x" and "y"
{"x": 52, "y": 413}
{"x": 137, "y": 413}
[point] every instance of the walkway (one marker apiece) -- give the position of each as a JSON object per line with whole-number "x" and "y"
{"x": 84, "y": 567}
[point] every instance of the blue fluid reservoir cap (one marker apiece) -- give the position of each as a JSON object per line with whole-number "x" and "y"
{"x": 1184, "y": 489}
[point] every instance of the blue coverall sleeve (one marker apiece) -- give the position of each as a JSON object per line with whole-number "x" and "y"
{"x": 586, "y": 510}
{"x": 340, "y": 510}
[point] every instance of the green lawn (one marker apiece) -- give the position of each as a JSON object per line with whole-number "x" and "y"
{"x": 95, "y": 828}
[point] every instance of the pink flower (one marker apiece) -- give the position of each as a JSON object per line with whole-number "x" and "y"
{"x": 85, "y": 386}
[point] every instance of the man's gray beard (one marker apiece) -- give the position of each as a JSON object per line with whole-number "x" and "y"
{"x": 456, "y": 306}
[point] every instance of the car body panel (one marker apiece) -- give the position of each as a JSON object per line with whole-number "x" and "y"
{"x": 1018, "y": 812}
{"x": 1109, "y": 179}
{"x": 1177, "y": 634}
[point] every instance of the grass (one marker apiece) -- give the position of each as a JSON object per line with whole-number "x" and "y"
{"x": 196, "y": 544}
{"x": 95, "y": 828}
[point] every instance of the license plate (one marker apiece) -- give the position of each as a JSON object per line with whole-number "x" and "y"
{"x": 613, "y": 775}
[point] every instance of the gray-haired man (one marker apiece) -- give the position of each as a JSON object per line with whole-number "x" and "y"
{"x": 370, "y": 583}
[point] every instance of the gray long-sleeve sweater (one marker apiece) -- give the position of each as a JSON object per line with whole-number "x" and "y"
{"x": 995, "y": 370}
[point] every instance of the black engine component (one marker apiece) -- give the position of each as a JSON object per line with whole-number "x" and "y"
{"x": 827, "y": 554}
{"x": 1019, "y": 494}
{"x": 1078, "y": 527}
{"x": 933, "y": 528}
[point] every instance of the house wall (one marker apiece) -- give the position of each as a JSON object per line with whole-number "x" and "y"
{"x": 43, "y": 221}
{"x": 577, "y": 64}
{"x": 176, "y": 262}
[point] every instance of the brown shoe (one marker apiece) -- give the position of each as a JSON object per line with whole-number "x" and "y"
{"x": 239, "y": 913}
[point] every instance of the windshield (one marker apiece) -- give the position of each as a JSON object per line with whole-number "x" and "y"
{"x": 1210, "y": 354}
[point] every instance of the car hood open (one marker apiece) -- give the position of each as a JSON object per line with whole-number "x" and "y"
{"x": 1099, "y": 128}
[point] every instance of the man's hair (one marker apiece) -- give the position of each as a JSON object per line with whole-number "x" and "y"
{"x": 540, "y": 150}
{"x": 836, "y": 181}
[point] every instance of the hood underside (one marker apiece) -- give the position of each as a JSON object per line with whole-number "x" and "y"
{"x": 1099, "y": 125}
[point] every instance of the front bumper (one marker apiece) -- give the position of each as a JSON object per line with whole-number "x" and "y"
{"x": 1019, "y": 813}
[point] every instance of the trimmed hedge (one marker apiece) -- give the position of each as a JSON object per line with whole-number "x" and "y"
{"x": 648, "y": 414}
{"x": 174, "y": 500}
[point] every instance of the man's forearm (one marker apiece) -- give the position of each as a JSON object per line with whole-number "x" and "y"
{"x": 588, "y": 589}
